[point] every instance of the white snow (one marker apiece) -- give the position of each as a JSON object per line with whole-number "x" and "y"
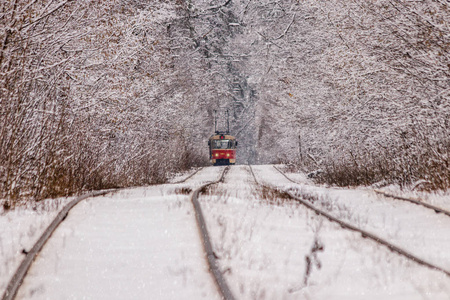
{"x": 135, "y": 244}
{"x": 19, "y": 230}
{"x": 143, "y": 243}
{"x": 264, "y": 247}
{"x": 415, "y": 228}
{"x": 138, "y": 244}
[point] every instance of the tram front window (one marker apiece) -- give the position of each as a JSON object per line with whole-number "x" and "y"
{"x": 222, "y": 144}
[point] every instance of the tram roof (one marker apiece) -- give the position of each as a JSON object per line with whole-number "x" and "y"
{"x": 225, "y": 137}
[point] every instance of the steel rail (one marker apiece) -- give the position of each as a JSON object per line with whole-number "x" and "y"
{"x": 436, "y": 209}
{"x": 18, "y": 277}
{"x": 364, "y": 233}
{"x": 219, "y": 279}
{"x": 190, "y": 176}
{"x": 282, "y": 173}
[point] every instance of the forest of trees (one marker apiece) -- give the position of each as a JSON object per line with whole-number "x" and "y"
{"x": 97, "y": 94}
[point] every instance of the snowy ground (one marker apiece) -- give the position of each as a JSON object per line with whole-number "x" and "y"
{"x": 19, "y": 230}
{"x": 135, "y": 244}
{"x": 265, "y": 246}
{"x": 420, "y": 230}
{"x": 143, "y": 243}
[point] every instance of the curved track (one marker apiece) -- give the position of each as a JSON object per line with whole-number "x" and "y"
{"x": 436, "y": 209}
{"x": 364, "y": 233}
{"x": 18, "y": 277}
{"x": 211, "y": 257}
{"x": 188, "y": 177}
{"x": 220, "y": 282}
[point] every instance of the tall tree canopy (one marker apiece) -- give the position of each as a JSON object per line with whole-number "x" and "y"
{"x": 98, "y": 94}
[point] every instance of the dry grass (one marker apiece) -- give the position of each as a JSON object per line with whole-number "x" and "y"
{"x": 420, "y": 159}
{"x": 84, "y": 170}
{"x": 183, "y": 191}
{"x": 273, "y": 195}
{"x": 398, "y": 168}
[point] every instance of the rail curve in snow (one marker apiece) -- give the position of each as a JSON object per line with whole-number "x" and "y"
{"x": 220, "y": 281}
{"x": 18, "y": 277}
{"x": 364, "y": 233}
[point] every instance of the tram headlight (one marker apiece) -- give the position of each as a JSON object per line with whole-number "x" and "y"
{"x": 217, "y": 154}
{"x": 228, "y": 154}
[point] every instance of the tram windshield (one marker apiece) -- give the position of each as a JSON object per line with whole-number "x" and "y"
{"x": 223, "y": 144}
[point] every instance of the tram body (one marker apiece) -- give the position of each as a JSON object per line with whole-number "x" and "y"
{"x": 222, "y": 149}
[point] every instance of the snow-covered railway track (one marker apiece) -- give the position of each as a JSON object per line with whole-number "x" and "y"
{"x": 189, "y": 176}
{"x": 364, "y": 233}
{"x": 19, "y": 275}
{"x": 241, "y": 241}
{"x": 436, "y": 209}
{"x": 220, "y": 281}
{"x": 30, "y": 256}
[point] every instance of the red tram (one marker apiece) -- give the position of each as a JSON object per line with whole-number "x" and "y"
{"x": 222, "y": 149}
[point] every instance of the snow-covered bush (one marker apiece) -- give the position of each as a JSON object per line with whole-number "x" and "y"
{"x": 88, "y": 97}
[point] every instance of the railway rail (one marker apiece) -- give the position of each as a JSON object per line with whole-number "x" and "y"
{"x": 210, "y": 256}
{"x": 348, "y": 226}
{"x": 188, "y": 177}
{"x": 21, "y": 272}
{"x": 18, "y": 277}
{"x": 220, "y": 281}
{"x": 436, "y": 209}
